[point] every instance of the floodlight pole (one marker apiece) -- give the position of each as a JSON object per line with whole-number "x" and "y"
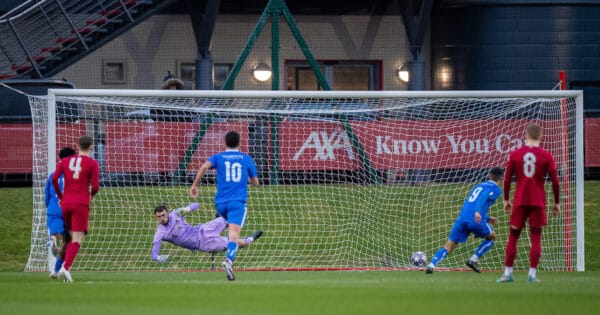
{"x": 274, "y": 9}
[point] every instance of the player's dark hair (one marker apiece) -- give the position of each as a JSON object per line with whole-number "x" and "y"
{"x": 232, "y": 139}
{"x": 160, "y": 208}
{"x": 496, "y": 174}
{"x": 85, "y": 143}
{"x": 65, "y": 152}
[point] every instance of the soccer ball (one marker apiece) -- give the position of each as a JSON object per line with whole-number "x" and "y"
{"x": 418, "y": 259}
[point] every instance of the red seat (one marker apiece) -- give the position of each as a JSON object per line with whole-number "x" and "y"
{"x": 53, "y": 49}
{"x": 85, "y": 30}
{"x": 96, "y": 22}
{"x": 66, "y": 40}
{"x": 21, "y": 68}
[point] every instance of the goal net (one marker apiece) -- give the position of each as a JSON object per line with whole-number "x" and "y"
{"x": 350, "y": 180}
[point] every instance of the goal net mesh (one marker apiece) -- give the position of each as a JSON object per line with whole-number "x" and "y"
{"x": 346, "y": 182}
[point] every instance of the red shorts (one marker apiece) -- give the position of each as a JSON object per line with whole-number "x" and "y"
{"x": 521, "y": 214}
{"x": 76, "y": 217}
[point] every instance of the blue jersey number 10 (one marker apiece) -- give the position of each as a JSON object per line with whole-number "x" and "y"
{"x": 233, "y": 172}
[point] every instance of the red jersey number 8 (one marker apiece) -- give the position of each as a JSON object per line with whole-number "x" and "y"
{"x": 75, "y": 166}
{"x": 529, "y": 164}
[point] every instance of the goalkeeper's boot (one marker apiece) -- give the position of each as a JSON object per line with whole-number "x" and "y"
{"x": 228, "y": 267}
{"x": 65, "y": 274}
{"x": 473, "y": 265}
{"x": 256, "y": 235}
{"x": 532, "y": 279}
{"x": 505, "y": 279}
{"x": 53, "y": 275}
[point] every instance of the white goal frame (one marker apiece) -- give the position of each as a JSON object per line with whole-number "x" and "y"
{"x": 577, "y": 95}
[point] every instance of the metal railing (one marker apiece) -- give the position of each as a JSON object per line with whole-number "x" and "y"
{"x": 38, "y": 34}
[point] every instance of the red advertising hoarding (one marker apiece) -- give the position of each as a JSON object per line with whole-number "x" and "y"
{"x": 425, "y": 144}
{"x": 16, "y": 145}
{"x": 161, "y": 146}
{"x": 305, "y": 146}
{"x": 592, "y": 142}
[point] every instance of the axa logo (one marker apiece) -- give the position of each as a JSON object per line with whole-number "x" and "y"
{"x": 325, "y": 144}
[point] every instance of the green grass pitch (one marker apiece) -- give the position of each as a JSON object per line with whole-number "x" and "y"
{"x": 277, "y": 293}
{"x": 265, "y": 293}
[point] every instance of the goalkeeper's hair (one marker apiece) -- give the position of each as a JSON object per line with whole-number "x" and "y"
{"x": 160, "y": 208}
{"x": 496, "y": 174}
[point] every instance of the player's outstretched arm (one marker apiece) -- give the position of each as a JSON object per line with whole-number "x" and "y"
{"x": 185, "y": 210}
{"x": 194, "y": 189}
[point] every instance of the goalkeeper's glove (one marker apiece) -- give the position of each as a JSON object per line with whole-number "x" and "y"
{"x": 162, "y": 258}
{"x": 194, "y": 206}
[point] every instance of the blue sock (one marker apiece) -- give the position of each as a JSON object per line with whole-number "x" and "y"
{"x": 484, "y": 247}
{"x": 58, "y": 264}
{"x": 232, "y": 248}
{"x": 440, "y": 255}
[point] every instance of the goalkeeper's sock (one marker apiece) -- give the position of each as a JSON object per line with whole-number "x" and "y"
{"x": 58, "y": 264}
{"x": 483, "y": 248}
{"x": 232, "y": 248}
{"x": 440, "y": 255}
{"x": 72, "y": 250}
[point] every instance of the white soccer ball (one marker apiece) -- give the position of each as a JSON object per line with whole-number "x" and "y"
{"x": 418, "y": 259}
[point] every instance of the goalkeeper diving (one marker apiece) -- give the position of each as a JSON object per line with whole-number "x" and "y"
{"x": 206, "y": 237}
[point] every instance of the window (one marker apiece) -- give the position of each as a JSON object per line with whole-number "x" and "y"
{"x": 340, "y": 75}
{"x": 114, "y": 72}
{"x": 187, "y": 73}
{"x": 221, "y": 71}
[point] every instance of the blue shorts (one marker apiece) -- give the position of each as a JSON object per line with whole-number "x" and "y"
{"x": 233, "y": 211}
{"x": 55, "y": 224}
{"x": 461, "y": 230}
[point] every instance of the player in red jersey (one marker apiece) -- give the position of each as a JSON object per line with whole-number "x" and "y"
{"x": 80, "y": 171}
{"x": 529, "y": 164}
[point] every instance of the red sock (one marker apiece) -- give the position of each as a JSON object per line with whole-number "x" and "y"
{"x": 72, "y": 250}
{"x": 535, "y": 252}
{"x": 511, "y": 247}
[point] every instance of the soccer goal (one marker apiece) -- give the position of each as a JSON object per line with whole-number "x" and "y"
{"x": 350, "y": 180}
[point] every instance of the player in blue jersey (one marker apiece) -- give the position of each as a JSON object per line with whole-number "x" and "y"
{"x": 473, "y": 218}
{"x": 234, "y": 170}
{"x": 54, "y": 218}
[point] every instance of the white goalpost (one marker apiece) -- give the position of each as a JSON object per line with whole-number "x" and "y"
{"x": 351, "y": 180}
